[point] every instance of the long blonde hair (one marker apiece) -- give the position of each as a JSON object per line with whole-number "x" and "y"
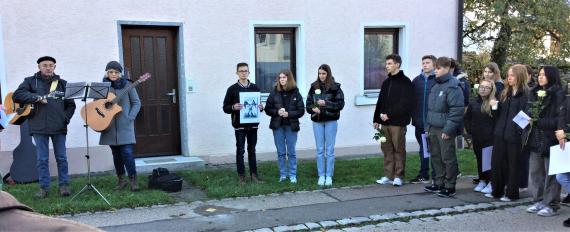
{"x": 291, "y": 84}
{"x": 486, "y": 104}
{"x": 521, "y": 74}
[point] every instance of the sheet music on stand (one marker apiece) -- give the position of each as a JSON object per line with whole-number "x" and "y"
{"x": 84, "y": 90}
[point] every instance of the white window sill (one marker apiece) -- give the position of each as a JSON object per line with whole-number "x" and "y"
{"x": 366, "y": 99}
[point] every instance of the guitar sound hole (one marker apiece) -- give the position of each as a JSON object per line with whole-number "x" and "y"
{"x": 108, "y": 105}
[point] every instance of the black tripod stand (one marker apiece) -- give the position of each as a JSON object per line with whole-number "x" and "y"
{"x": 86, "y": 91}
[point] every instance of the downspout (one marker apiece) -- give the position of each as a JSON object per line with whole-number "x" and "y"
{"x": 459, "y": 55}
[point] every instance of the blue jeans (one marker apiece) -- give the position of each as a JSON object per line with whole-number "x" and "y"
{"x": 325, "y": 135}
{"x": 285, "y": 140}
{"x": 42, "y": 155}
{"x": 123, "y": 158}
{"x": 564, "y": 180}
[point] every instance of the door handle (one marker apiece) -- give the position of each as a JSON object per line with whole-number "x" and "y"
{"x": 173, "y": 94}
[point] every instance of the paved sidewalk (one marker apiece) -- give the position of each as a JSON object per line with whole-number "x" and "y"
{"x": 356, "y": 204}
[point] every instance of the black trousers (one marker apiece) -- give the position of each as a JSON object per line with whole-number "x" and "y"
{"x": 506, "y": 168}
{"x": 478, "y": 150}
{"x": 249, "y": 134}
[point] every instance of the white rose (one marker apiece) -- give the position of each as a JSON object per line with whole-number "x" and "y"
{"x": 476, "y": 86}
{"x": 541, "y": 93}
{"x": 382, "y": 139}
{"x": 317, "y": 91}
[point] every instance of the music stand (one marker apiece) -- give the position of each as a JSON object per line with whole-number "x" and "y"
{"x": 84, "y": 91}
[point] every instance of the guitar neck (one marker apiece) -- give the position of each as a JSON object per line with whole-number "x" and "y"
{"x": 126, "y": 90}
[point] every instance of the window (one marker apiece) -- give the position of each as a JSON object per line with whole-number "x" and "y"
{"x": 274, "y": 51}
{"x": 378, "y": 43}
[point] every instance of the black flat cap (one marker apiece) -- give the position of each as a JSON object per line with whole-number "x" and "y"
{"x": 44, "y": 58}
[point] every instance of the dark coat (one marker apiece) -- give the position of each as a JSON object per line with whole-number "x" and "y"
{"x": 334, "y": 98}
{"x": 478, "y": 124}
{"x": 293, "y": 103}
{"x": 445, "y": 106}
{"x": 122, "y": 130}
{"x": 394, "y": 101}
{"x": 542, "y": 135}
{"x": 232, "y": 97}
{"x": 420, "y": 94}
{"x": 50, "y": 118}
{"x": 505, "y": 128}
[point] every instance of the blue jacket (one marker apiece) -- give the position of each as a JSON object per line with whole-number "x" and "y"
{"x": 421, "y": 89}
{"x": 445, "y": 106}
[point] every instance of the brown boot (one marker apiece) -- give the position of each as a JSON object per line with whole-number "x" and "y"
{"x": 64, "y": 191}
{"x": 122, "y": 183}
{"x": 41, "y": 194}
{"x": 255, "y": 179}
{"x": 134, "y": 186}
{"x": 241, "y": 180}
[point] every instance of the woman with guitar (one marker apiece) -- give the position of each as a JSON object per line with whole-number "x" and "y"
{"x": 120, "y": 135}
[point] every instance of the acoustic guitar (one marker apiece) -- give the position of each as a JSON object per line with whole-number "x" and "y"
{"x": 23, "y": 111}
{"x": 99, "y": 114}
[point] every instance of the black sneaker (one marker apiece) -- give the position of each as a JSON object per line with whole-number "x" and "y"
{"x": 566, "y": 200}
{"x": 420, "y": 180}
{"x": 566, "y": 222}
{"x": 446, "y": 192}
{"x": 433, "y": 188}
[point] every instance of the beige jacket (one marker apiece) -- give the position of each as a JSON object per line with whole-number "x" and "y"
{"x": 15, "y": 216}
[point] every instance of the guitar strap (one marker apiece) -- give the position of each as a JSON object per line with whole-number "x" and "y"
{"x": 53, "y": 85}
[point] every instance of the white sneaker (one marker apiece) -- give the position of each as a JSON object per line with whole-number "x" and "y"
{"x": 480, "y": 186}
{"x": 321, "y": 181}
{"x": 547, "y": 212}
{"x": 397, "y": 182}
{"x": 535, "y": 208}
{"x": 328, "y": 181}
{"x": 384, "y": 180}
{"x": 489, "y": 195}
{"x": 488, "y": 188}
{"x": 293, "y": 179}
{"x": 505, "y": 199}
{"x": 283, "y": 178}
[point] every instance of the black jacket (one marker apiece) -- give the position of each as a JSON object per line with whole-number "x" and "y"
{"x": 232, "y": 97}
{"x": 478, "y": 124}
{"x": 505, "y": 128}
{"x": 542, "y": 135}
{"x": 293, "y": 103}
{"x": 334, "y": 98}
{"x": 50, "y": 118}
{"x": 421, "y": 89}
{"x": 394, "y": 100}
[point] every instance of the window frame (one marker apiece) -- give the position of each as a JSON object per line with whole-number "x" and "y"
{"x": 277, "y": 30}
{"x": 395, "y": 49}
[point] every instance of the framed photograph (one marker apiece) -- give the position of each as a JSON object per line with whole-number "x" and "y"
{"x": 250, "y": 112}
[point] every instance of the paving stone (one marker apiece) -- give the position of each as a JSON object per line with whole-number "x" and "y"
{"x": 384, "y": 224}
{"x": 404, "y": 214}
{"x": 352, "y": 229}
{"x": 335, "y": 230}
{"x": 460, "y": 208}
{"x": 344, "y": 221}
{"x": 399, "y": 223}
{"x": 419, "y": 213}
{"x": 327, "y": 224}
{"x": 448, "y": 210}
{"x": 281, "y": 228}
{"x": 298, "y": 227}
{"x": 472, "y": 206}
{"x": 445, "y": 217}
{"x": 433, "y": 211}
{"x": 263, "y": 230}
{"x": 428, "y": 219}
{"x": 358, "y": 220}
{"x": 485, "y": 205}
{"x": 312, "y": 225}
{"x": 500, "y": 203}
{"x": 368, "y": 228}
{"x": 383, "y": 217}
{"x": 415, "y": 221}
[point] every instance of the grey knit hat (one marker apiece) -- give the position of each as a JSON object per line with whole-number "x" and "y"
{"x": 114, "y": 65}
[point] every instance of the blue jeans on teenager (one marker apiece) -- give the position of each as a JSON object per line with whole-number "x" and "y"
{"x": 325, "y": 135}
{"x": 42, "y": 156}
{"x": 564, "y": 180}
{"x": 285, "y": 140}
{"x": 123, "y": 158}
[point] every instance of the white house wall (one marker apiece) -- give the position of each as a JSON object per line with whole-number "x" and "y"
{"x": 82, "y": 36}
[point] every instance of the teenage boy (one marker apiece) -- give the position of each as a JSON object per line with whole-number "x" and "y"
{"x": 243, "y": 131}
{"x": 393, "y": 112}
{"x": 421, "y": 86}
{"x": 445, "y": 115}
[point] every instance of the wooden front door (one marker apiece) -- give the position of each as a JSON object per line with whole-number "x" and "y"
{"x": 153, "y": 50}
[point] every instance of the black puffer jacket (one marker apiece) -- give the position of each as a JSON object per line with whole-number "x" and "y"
{"x": 395, "y": 101}
{"x": 478, "y": 124}
{"x": 50, "y": 118}
{"x": 293, "y": 103}
{"x": 542, "y": 134}
{"x": 334, "y": 98}
{"x": 505, "y": 128}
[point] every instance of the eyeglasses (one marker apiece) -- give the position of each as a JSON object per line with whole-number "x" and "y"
{"x": 486, "y": 87}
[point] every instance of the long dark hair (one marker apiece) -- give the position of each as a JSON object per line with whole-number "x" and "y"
{"x": 329, "y": 81}
{"x": 290, "y": 85}
{"x": 552, "y": 76}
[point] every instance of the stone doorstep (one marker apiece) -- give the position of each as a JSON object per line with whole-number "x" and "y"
{"x": 172, "y": 163}
{"x": 402, "y": 217}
